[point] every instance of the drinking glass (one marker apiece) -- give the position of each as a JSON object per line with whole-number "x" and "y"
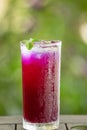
{"x": 41, "y": 85}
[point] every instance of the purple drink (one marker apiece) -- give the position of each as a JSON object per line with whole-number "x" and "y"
{"x": 41, "y": 82}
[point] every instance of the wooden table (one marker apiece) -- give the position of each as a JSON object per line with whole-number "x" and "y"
{"x": 66, "y": 122}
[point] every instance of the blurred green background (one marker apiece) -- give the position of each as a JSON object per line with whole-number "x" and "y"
{"x": 65, "y": 20}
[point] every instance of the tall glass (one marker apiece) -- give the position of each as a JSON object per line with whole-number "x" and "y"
{"x": 41, "y": 85}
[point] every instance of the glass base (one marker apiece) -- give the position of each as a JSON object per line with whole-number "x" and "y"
{"x": 41, "y": 126}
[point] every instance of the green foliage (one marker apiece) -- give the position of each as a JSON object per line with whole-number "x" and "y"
{"x": 56, "y": 19}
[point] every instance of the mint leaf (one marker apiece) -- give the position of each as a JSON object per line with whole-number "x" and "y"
{"x": 29, "y": 43}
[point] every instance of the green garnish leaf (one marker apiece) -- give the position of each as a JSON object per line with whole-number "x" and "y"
{"x": 29, "y": 43}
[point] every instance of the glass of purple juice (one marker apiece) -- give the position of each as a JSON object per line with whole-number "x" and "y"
{"x": 41, "y": 84}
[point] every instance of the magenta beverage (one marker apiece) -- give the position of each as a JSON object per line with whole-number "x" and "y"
{"x": 41, "y": 85}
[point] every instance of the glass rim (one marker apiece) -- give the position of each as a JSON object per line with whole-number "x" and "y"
{"x": 53, "y": 43}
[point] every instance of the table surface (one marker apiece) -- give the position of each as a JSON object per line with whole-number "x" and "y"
{"x": 66, "y": 122}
